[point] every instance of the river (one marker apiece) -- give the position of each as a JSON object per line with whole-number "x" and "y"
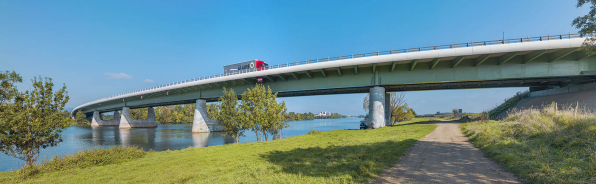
{"x": 164, "y": 137}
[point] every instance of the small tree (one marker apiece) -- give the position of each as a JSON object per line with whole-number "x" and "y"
{"x": 33, "y": 120}
{"x": 230, "y": 117}
{"x": 81, "y": 118}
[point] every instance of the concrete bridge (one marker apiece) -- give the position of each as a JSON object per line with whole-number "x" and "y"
{"x": 537, "y": 62}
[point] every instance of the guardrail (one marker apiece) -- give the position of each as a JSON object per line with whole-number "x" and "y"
{"x": 379, "y": 53}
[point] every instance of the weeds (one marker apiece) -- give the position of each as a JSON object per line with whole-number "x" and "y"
{"x": 83, "y": 159}
{"x": 542, "y": 146}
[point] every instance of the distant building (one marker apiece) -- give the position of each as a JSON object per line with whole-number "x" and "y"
{"x": 323, "y": 113}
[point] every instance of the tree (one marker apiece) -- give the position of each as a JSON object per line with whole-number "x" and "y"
{"x": 398, "y": 110}
{"x": 8, "y": 90}
{"x": 230, "y": 116}
{"x": 454, "y": 111}
{"x": 33, "y": 120}
{"x": 81, "y": 118}
{"x": 587, "y": 26}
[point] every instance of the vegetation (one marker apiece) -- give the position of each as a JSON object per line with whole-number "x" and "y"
{"x": 587, "y": 25}
{"x": 84, "y": 159}
{"x": 292, "y": 116}
{"x": 509, "y": 103}
{"x": 258, "y": 111}
{"x": 399, "y": 108}
{"x": 341, "y": 156}
{"x": 30, "y": 120}
{"x": 81, "y": 119}
{"x": 541, "y": 146}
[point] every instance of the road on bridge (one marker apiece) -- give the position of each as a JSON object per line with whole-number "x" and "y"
{"x": 445, "y": 156}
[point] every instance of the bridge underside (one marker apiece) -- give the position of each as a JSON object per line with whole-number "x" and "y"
{"x": 536, "y": 83}
{"x": 538, "y": 69}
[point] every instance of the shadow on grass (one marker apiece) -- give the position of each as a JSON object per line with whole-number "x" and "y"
{"x": 359, "y": 162}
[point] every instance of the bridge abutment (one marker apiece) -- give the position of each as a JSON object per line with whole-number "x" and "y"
{"x": 201, "y": 121}
{"x": 98, "y": 121}
{"x": 126, "y": 120}
{"x": 376, "y": 107}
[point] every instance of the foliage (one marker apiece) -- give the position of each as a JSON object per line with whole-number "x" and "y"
{"x": 541, "y": 146}
{"x": 229, "y": 115}
{"x": 8, "y": 90}
{"x": 510, "y": 102}
{"x": 455, "y": 111}
{"x": 587, "y": 25}
{"x": 174, "y": 114}
{"x": 33, "y": 120}
{"x": 264, "y": 115}
{"x": 84, "y": 159}
{"x": 81, "y": 119}
{"x": 292, "y": 116}
{"x": 399, "y": 108}
{"x": 340, "y": 156}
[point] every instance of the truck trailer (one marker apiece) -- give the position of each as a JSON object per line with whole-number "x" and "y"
{"x": 247, "y": 66}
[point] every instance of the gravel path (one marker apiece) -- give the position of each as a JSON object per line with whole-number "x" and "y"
{"x": 445, "y": 156}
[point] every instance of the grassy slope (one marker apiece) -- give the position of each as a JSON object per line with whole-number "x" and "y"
{"x": 342, "y": 156}
{"x": 541, "y": 147}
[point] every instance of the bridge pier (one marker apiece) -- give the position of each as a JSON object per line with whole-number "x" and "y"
{"x": 127, "y": 122}
{"x": 376, "y": 107}
{"x": 387, "y": 109}
{"x": 97, "y": 121}
{"x": 201, "y": 122}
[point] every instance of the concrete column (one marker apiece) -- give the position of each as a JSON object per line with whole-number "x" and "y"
{"x": 127, "y": 122}
{"x": 376, "y": 106}
{"x": 201, "y": 122}
{"x": 98, "y": 121}
{"x": 387, "y": 109}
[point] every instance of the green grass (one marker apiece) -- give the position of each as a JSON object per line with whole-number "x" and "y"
{"x": 341, "y": 156}
{"x": 541, "y": 146}
{"x": 509, "y": 103}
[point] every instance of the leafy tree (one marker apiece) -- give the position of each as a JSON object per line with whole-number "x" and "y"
{"x": 230, "y": 116}
{"x": 253, "y": 102}
{"x": 8, "y": 90}
{"x": 33, "y": 120}
{"x": 587, "y": 25}
{"x": 139, "y": 114}
{"x": 454, "y": 111}
{"x": 81, "y": 118}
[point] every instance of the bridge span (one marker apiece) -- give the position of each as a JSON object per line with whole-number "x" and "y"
{"x": 536, "y": 62}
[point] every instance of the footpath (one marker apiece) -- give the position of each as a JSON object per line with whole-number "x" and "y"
{"x": 445, "y": 156}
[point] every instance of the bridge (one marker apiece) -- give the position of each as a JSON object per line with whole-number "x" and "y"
{"x": 540, "y": 62}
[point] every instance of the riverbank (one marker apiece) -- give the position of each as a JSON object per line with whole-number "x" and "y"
{"x": 340, "y": 156}
{"x": 541, "y": 146}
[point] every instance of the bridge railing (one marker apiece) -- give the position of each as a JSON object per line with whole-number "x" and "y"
{"x": 379, "y": 53}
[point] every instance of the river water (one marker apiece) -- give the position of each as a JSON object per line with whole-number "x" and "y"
{"x": 164, "y": 137}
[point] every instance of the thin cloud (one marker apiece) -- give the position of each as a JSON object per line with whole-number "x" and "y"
{"x": 148, "y": 81}
{"x": 118, "y": 75}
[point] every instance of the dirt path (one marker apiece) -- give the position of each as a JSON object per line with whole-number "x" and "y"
{"x": 445, "y": 156}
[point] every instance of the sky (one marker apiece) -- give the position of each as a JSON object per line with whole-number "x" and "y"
{"x": 103, "y": 48}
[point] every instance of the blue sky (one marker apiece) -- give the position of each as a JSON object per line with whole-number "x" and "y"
{"x": 101, "y": 48}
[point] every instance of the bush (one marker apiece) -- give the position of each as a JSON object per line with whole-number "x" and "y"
{"x": 85, "y": 158}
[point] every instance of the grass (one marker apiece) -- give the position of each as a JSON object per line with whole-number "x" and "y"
{"x": 507, "y": 104}
{"x": 341, "y": 156}
{"x": 547, "y": 146}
